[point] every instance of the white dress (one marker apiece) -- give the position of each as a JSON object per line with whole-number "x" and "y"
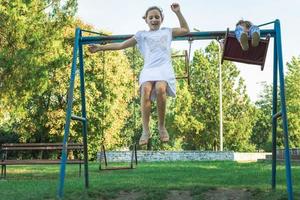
{"x": 155, "y": 47}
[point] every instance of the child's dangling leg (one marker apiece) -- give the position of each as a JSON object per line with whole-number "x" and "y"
{"x": 146, "y": 90}
{"x": 255, "y": 35}
{"x": 161, "y": 94}
{"x": 242, "y": 37}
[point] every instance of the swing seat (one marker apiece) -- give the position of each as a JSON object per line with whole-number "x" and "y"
{"x": 232, "y": 51}
{"x": 103, "y": 157}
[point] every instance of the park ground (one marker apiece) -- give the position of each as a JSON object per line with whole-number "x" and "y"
{"x": 205, "y": 180}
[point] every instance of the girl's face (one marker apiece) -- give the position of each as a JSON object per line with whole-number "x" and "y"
{"x": 154, "y": 19}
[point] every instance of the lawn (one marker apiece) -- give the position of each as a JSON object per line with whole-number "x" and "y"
{"x": 159, "y": 180}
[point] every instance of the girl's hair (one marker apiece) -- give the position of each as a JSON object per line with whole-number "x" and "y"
{"x": 154, "y": 8}
{"x": 248, "y": 24}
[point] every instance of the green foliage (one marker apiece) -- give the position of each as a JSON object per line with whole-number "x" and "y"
{"x": 193, "y": 117}
{"x": 262, "y": 130}
{"x": 132, "y": 128}
{"x": 109, "y": 83}
{"x": 31, "y": 52}
{"x": 8, "y": 137}
{"x": 183, "y": 124}
{"x": 36, "y": 46}
{"x": 292, "y": 100}
{"x": 203, "y": 105}
{"x": 35, "y": 68}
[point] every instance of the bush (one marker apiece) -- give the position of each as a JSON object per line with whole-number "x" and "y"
{"x": 8, "y": 137}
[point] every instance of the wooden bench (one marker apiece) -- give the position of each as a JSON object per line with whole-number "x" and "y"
{"x": 28, "y": 149}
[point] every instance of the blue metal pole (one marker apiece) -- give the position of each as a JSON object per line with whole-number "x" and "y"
{"x": 68, "y": 117}
{"x": 284, "y": 113}
{"x": 83, "y": 110}
{"x": 274, "y": 111}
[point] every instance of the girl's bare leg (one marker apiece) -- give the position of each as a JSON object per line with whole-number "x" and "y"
{"x": 146, "y": 89}
{"x": 161, "y": 93}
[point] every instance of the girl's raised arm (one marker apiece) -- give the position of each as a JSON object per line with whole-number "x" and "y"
{"x": 184, "y": 28}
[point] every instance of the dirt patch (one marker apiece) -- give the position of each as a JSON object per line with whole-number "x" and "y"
{"x": 179, "y": 195}
{"x": 227, "y": 194}
{"x": 171, "y": 195}
{"x": 129, "y": 195}
{"x": 213, "y": 194}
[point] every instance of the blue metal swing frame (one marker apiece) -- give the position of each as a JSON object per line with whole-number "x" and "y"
{"x": 277, "y": 70}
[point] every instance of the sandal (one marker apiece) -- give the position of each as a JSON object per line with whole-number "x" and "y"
{"x": 164, "y": 135}
{"x": 255, "y": 39}
{"x": 244, "y": 42}
{"x": 144, "y": 139}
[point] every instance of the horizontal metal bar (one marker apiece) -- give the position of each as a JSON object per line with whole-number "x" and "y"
{"x": 39, "y": 148}
{"x": 209, "y": 35}
{"x": 87, "y": 31}
{"x": 38, "y": 144}
{"x": 74, "y": 117}
{"x": 277, "y": 115}
{"x": 39, "y": 161}
{"x": 272, "y": 22}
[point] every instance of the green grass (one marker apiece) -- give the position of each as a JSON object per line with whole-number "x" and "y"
{"x": 153, "y": 180}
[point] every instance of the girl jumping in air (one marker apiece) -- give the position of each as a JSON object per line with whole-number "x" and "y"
{"x": 157, "y": 78}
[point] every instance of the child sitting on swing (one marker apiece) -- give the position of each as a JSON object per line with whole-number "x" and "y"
{"x": 244, "y": 30}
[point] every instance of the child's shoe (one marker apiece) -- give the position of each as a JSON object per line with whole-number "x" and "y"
{"x": 244, "y": 41}
{"x": 144, "y": 139}
{"x": 164, "y": 135}
{"x": 255, "y": 39}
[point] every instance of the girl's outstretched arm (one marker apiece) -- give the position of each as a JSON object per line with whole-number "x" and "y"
{"x": 113, "y": 46}
{"x": 184, "y": 28}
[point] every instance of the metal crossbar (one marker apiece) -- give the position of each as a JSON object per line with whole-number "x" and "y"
{"x": 210, "y": 35}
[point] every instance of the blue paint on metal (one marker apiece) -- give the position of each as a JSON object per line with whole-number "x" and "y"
{"x": 284, "y": 113}
{"x": 83, "y": 111}
{"x": 68, "y": 117}
{"x": 191, "y": 36}
{"x": 274, "y": 111}
{"x": 272, "y": 22}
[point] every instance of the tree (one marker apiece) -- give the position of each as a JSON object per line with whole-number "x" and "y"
{"x": 35, "y": 72}
{"x": 29, "y": 34}
{"x": 292, "y": 100}
{"x": 262, "y": 129}
{"x": 196, "y": 111}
